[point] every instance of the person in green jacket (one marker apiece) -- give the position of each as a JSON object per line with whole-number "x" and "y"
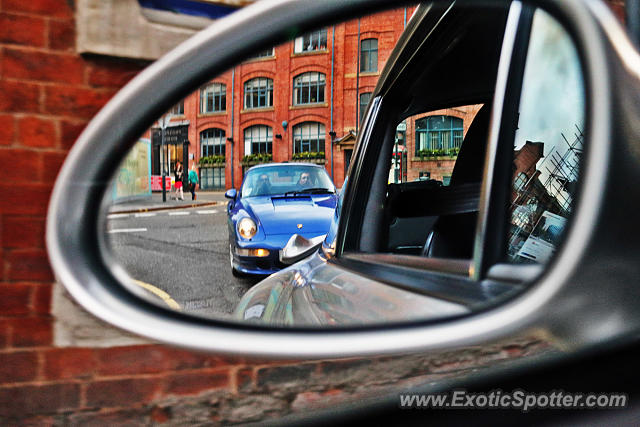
{"x": 193, "y": 181}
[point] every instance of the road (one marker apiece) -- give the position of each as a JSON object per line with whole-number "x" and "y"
{"x": 179, "y": 258}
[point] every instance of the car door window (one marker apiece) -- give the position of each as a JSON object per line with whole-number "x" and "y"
{"x": 547, "y": 145}
{"x": 421, "y": 192}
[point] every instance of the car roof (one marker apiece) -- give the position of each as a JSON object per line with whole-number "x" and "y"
{"x": 449, "y": 54}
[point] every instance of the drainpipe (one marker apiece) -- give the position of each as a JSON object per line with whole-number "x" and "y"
{"x": 331, "y": 132}
{"x": 358, "y": 81}
{"x": 233, "y": 98}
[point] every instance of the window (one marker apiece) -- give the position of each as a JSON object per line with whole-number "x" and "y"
{"x": 316, "y": 40}
{"x": 547, "y": 145}
{"x": 520, "y": 181}
{"x": 213, "y": 98}
{"x": 427, "y": 206}
{"x": 308, "y": 88}
{"x": 258, "y": 93}
{"x": 212, "y": 142}
{"x": 308, "y": 137}
{"x": 364, "y": 101}
{"x": 258, "y": 139}
{"x": 177, "y": 109}
{"x": 262, "y": 54}
{"x": 369, "y": 55}
{"x": 438, "y": 134}
{"x": 212, "y": 178}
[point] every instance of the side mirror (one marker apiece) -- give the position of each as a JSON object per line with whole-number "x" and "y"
{"x": 231, "y": 194}
{"x": 298, "y": 248}
{"x": 430, "y": 301}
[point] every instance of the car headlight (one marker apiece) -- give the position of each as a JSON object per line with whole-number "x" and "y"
{"x": 247, "y": 228}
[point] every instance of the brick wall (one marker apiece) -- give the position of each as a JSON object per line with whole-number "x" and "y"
{"x": 48, "y": 94}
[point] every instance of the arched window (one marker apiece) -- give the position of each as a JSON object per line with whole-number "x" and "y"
{"x": 258, "y": 139}
{"x": 369, "y": 55}
{"x": 308, "y": 137}
{"x": 308, "y": 88}
{"x": 258, "y": 93}
{"x": 213, "y": 98}
{"x": 212, "y": 142}
{"x": 439, "y": 133}
{"x": 364, "y": 101}
{"x": 520, "y": 181}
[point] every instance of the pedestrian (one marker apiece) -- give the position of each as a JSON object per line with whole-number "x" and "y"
{"x": 179, "y": 175}
{"x": 193, "y": 181}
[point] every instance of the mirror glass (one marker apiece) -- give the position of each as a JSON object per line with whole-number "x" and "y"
{"x": 218, "y": 199}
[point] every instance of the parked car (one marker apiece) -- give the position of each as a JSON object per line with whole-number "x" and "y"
{"x": 275, "y": 202}
{"x": 551, "y": 90}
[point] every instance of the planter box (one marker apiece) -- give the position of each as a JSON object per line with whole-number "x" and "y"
{"x": 316, "y": 161}
{"x": 435, "y": 158}
{"x": 253, "y": 163}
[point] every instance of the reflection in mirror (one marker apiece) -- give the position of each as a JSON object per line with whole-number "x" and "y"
{"x": 548, "y": 143}
{"x": 195, "y": 218}
{"x": 207, "y": 199}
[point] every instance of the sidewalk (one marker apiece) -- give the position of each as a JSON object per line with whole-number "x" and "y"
{"x": 155, "y": 203}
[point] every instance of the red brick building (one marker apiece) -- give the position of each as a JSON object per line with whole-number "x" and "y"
{"x": 298, "y": 97}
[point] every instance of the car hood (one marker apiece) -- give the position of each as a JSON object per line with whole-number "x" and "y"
{"x": 289, "y": 215}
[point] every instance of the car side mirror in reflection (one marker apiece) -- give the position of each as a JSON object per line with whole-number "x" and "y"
{"x": 231, "y": 194}
{"x": 298, "y": 248}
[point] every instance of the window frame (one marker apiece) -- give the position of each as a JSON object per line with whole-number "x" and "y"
{"x": 298, "y": 131}
{"x": 369, "y": 64}
{"x": 353, "y": 249}
{"x": 217, "y": 91}
{"x": 268, "y": 140}
{"x": 301, "y": 87}
{"x": 265, "y": 93}
{"x": 429, "y": 133}
{"x": 363, "y": 106}
{"x": 222, "y": 136}
{"x": 299, "y": 44}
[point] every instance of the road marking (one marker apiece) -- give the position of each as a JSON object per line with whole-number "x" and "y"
{"x": 159, "y": 293}
{"x": 178, "y": 213}
{"x": 116, "y": 216}
{"x": 144, "y": 215}
{"x": 207, "y": 212}
{"x": 126, "y": 230}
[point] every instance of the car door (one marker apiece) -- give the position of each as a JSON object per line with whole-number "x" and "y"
{"x": 429, "y": 236}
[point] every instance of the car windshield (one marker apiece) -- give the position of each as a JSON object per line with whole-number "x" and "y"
{"x": 286, "y": 180}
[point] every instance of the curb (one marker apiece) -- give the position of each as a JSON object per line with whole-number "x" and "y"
{"x": 166, "y": 208}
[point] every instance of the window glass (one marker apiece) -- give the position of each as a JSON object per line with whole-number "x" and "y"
{"x": 262, "y": 54}
{"x": 258, "y": 93}
{"x": 424, "y": 200}
{"x": 548, "y": 143}
{"x": 316, "y": 40}
{"x": 212, "y": 142}
{"x": 274, "y": 180}
{"x": 309, "y": 137}
{"x": 438, "y": 135}
{"x": 308, "y": 88}
{"x": 213, "y": 98}
{"x": 258, "y": 139}
{"x": 364, "y": 102}
{"x": 369, "y": 55}
{"x": 178, "y": 109}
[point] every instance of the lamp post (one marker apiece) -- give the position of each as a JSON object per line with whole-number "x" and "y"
{"x": 164, "y": 122}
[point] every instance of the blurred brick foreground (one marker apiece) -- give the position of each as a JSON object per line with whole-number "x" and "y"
{"x": 47, "y": 95}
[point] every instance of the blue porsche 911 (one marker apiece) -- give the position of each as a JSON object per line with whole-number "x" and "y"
{"x": 276, "y": 201}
